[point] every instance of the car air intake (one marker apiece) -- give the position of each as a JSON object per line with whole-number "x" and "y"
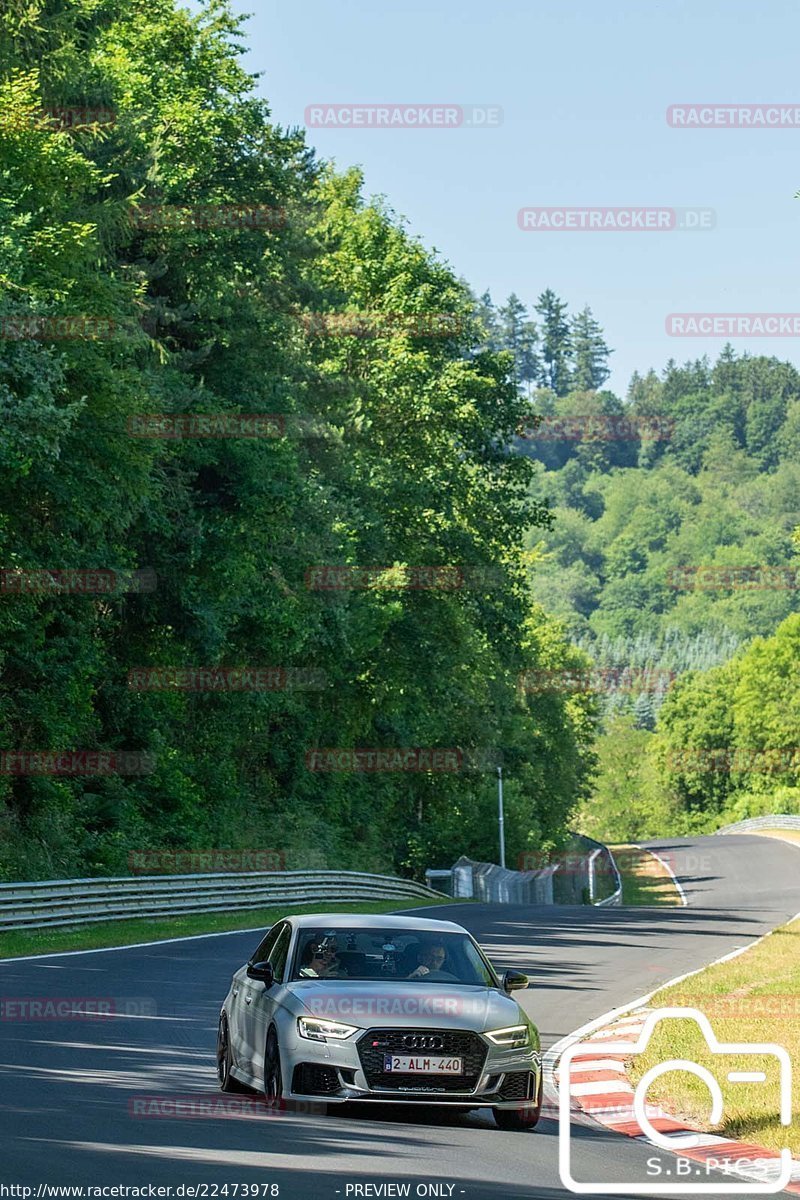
{"x": 311, "y": 1079}
{"x": 517, "y": 1085}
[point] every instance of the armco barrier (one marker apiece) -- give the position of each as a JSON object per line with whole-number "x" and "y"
{"x": 589, "y": 875}
{"x": 783, "y": 821}
{"x": 79, "y": 901}
{"x": 498, "y": 885}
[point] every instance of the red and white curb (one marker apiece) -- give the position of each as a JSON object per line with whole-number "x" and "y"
{"x": 600, "y": 1088}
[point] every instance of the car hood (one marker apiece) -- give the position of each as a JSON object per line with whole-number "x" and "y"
{"x": 403, "y": 1005}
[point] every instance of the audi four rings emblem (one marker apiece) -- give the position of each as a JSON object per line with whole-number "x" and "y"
{"x": 418, "y": 1041}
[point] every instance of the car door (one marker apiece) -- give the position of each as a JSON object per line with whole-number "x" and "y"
{"x": 265, "y": 999}
{"x": 242, "y": 1025}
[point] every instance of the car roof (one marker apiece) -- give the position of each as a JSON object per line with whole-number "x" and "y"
{"x": 372, "y": 921}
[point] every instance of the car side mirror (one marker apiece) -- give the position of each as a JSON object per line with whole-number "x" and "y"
{"x": 513, "y": 981}
{"x": 261, "y": 971}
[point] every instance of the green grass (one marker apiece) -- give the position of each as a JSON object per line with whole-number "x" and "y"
{"x": 644, "y": 880}
{"x": 753, "y": 998}
{"x": 19, "y": 943}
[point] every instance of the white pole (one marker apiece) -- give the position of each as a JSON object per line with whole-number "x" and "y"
{"x": 500, "y": 817}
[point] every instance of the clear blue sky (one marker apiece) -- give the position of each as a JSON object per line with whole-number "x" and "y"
{"x": 584, "y": 86}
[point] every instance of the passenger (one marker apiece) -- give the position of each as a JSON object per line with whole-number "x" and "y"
{"x": 313, "y": 961}
{"x": 329, "y": 949}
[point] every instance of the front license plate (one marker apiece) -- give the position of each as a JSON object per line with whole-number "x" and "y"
{"x": 418, "y": 1064}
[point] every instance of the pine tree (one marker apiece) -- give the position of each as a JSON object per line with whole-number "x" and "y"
{"x": 556, "y": 343}
{"x": 643, "y": 712}
{"x": 590, "y": 353}
{"x": 486, "y": 314}
{"x": 519, "y": 335}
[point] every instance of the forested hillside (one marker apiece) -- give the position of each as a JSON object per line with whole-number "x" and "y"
{"x": 346, "y": 525}
{"x": 673, "y": 545}
{"x": 389, "y": 444}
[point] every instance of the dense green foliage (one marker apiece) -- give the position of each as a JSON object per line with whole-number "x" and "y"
{"x": 409, "y": 465}
{"x": 725, "y": 748}
{"x": 657, "y": 502}
{"x": 697, "y": 470}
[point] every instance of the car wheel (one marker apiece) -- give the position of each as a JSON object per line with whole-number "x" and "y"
{"x": 227, "y": 1082}
{"x": 517, "y": 1120}
{"x": 273, "y": 1080}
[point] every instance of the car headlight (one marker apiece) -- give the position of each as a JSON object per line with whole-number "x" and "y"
{"x": 512, "y": 1036}
{"x": 319, "y": 1031}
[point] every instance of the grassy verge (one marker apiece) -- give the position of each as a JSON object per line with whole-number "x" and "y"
{"x": 753, "y": 998}
{"x": 644, "y": 879}
{"x": 19, "y": 943}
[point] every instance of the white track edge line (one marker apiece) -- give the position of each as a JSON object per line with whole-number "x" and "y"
{"x": 671, "y": 873}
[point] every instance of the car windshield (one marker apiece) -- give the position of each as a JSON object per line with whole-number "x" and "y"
{"x": 410, "y": 955}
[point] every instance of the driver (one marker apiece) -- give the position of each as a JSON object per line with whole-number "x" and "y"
{"x": 431, "y": 958}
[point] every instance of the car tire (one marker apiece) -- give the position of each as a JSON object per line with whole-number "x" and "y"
{"x": 273, "y": 1078}
{"x": 227, "y": 1082}
{"x": 517, "y": 1120}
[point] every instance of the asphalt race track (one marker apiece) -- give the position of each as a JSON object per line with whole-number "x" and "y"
{"x": 65, "y": 1084}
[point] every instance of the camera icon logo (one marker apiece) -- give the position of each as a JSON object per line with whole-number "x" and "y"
{"x": 676, "y": 1142}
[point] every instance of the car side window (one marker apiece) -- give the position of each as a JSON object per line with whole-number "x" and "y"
{"x": 280, "y": 952}
{"x": 262, "y": 954}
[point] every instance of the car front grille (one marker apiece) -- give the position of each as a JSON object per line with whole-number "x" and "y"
{"x": 445, "y": 1043}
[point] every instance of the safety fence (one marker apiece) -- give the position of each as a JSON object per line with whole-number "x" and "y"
{"x": 80, "y": 901}
{"x": 584, "y": 873}
{"x": 782, "y": 821}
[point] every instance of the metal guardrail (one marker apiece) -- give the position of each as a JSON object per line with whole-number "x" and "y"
{"x": 782, "y": 821}
{"x": 498, "y": 885}
{"x": 55, "y": 902}
{"x": 588, "y": 875}
{"x": 616, "y": 896}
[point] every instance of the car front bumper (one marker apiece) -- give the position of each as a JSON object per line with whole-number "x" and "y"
{"x": 334, "y": 1072}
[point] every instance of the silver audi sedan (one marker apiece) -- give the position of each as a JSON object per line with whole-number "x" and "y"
{"x": 335, "y": 1008}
